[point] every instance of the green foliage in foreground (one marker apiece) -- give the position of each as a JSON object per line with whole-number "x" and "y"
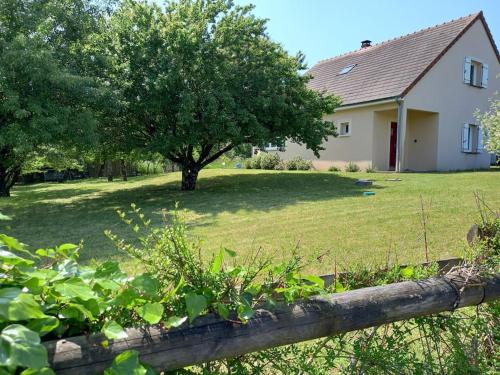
{"x": 49, "y": 294}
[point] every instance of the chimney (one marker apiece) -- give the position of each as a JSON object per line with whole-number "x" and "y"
{"x": 366, "y": 43}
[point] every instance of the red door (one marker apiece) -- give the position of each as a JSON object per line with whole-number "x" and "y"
{"x": 392, "y": 145}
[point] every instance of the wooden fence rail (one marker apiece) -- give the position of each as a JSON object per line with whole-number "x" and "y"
{"x": 210, "y": 338}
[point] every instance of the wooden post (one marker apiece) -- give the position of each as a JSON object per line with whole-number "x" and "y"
{"x": 210, "y": 338}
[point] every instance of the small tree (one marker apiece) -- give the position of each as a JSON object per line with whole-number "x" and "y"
{"x": 203, "y": 77}
{"x": 490, "y": 122}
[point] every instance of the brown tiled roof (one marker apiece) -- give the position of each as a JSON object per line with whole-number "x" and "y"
{"x": 391, "y": 68}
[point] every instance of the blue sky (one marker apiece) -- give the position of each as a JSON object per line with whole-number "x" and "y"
{"x": 326, "y": 28}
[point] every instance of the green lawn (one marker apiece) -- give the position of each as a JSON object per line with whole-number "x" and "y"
{"x": 316, "y": 212}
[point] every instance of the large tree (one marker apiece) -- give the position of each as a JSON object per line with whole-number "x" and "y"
{"x": 201, "y": 77}
{"x": 44, "y": 99}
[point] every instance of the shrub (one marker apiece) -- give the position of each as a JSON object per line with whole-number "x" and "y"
{"x": 147, "y": 167}
{"x": 269, "y": 161}
{"x": 298, "y": 164}
{"x": 248, "y": 163}
{"x": 280, "y": 166}
{"x": 256, "y": 162}
{"x": 371, "y": 169}
{"x": 351, "y": 167}
{"x": 333, "y": 169}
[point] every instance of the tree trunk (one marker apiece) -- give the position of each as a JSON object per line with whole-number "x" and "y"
{"x": 124, "y": 170}
{"x": 189, "y": 177}
{"x": 8, "y": 177}
{"x": 108, "y": 166}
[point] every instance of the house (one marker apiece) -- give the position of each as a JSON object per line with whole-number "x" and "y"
{"x": 409, "y": 103}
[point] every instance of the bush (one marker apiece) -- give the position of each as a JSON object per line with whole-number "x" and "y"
{"x": 248, "y": 163}
{"x": 256, "y": 162}
{"x": 281, "y": 166}
{"x": 147, "y": 167}
{"x": 351, "y": 167}
{"x": 371, "y": 169}
{"x": 333, "y": 169}
{"x": 298, "y": 164}
{"x": 269, "y": 161}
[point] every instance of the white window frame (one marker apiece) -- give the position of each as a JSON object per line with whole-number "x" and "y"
{"x": 479, "y": 72}
{"x": 275, "y": 147}
{"x": 472, "y": 138}
{"x": 339, "y": 127}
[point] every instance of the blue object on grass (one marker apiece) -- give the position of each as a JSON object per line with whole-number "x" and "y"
{"x": 238, "y": 165}
{"x": 367, "y": 193}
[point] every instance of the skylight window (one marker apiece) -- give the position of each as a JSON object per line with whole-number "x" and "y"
{"x": 347, "y": 69}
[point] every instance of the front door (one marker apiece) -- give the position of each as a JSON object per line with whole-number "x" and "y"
{"x": 392, "y": 146}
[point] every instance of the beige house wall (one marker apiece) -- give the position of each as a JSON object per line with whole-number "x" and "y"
{"x": 442, "y": 90}
{"x": 358, "y": 147}
{"x": 421, "y": 141}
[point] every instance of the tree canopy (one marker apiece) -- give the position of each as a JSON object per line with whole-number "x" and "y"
{"x": 44, "y": 97}
{"x": 490, "y": 122}
{"x": 199, "y": 78}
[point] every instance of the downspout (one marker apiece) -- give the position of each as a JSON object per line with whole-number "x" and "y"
{"x": 400, "y": 102}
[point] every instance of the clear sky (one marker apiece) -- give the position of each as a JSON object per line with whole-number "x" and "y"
{"x": 326, "y": 28}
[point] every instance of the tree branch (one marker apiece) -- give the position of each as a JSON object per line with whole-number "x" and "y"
{"x": 218, "y": 154}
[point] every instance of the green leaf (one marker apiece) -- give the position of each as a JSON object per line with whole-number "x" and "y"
{"x": 74, "y": 288}
{"x": 113, "y": 330}
{"x": 14, "y": 260}
{"x": 68, "y": 250}
{"x": 127, "y": 363}
{"x": 4, "y": 217}
{"x": 316, "y": 280}
{"x": 24, "y": 346}
{"x": 127, "y": 298}
{"x": 150, "y": 312}
{"x": 175, "y": 321}
{"x": 40, "y": 371}
{"x": 195, "y": 304}
{"x": 76, "y": 311}
{"x": 339, "y": 287}
{"x": 147, "y": 285}
{"x": 11, "y": 242}
{"x": 109, "y": 270}
{"x": 253, "y": 289}
{"x": 245, "y": 312}
{"x": 406, "y": 273}
{"x": 44, "y": 325}
{"x": 15, "y": 305}
{"x": 222, "y": 310}
{"x": 231, "y": 253}
{"x": 217, "y": 262}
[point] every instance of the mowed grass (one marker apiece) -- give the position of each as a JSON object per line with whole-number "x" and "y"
{"x": 320, "y": 214}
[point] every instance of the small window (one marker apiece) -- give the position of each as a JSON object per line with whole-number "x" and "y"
{"x": 276, "y": 146}
{"x": 472, "y": 139}
{"x": 344, "y": 128}
{"x": 475, "y": 72}
{"x": 347, "y": 69}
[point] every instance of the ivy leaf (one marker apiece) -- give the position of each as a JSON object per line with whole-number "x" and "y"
{"x": 74, "y": 288}
{"x": 109, "y": 270}
{"x": 175, "y": 321}
{"x": 113, "y": 330}
{"x": 4, "y": 217}
{"x": 68, "y": 250}
{"x": 15, "y": 305}
{"x": 195, "y": 304}
{"x": 127, "y": 363}
{"x": 150, "y": 312}
{"x": 24, "y": 347}
{"x": 44, "y": 325}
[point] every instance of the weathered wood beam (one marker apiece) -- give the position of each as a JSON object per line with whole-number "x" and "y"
{"x": 210, "y": 338}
